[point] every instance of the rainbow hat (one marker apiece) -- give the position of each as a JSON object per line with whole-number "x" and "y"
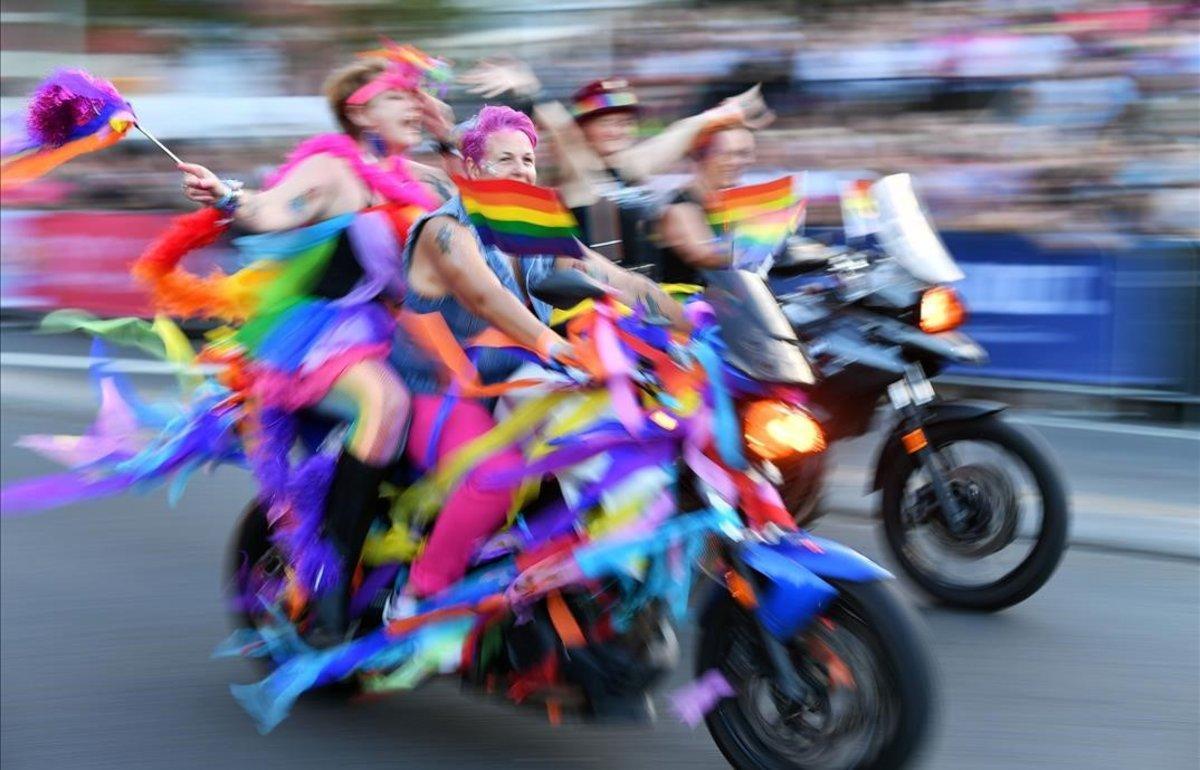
{"x": 601, "y": 97}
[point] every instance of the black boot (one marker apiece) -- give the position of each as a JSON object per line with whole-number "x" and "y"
{"x": 350, "y": 507}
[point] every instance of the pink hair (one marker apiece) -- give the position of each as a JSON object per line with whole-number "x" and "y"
{"x": 489, "y": 121}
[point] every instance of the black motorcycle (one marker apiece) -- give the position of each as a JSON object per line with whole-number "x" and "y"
{"x": 973, "y": 506}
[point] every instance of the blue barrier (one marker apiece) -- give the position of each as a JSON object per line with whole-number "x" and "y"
{"x": 1079, "y": 310}
{"x": 1117, "y": 311}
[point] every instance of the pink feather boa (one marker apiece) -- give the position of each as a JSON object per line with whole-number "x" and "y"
{"x": 391, "y": 178}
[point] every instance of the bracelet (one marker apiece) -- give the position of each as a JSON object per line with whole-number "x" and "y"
{"x": 448, "y": 148}
{"x": 229, "y": 202}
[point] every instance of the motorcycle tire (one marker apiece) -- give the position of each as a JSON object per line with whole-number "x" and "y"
{"x": 885, "y": 633}
{"x": 250, "y": 542}
{"x": 1036, "y": 568}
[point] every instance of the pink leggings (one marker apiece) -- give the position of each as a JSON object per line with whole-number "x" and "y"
{"x": 470, "y": 514}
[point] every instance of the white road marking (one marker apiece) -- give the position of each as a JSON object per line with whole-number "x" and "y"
{"x": 83, "y": 363}
{"x": 141, "y": 366}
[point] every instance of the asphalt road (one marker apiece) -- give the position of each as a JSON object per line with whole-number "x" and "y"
{"x": 109, "y": 612}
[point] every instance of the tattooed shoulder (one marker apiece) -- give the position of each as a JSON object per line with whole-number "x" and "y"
{"x": 442, "y": 239}
{"x": 439, "y": 184}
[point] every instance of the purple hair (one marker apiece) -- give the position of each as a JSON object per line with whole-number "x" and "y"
{"x": 489, "y": 121}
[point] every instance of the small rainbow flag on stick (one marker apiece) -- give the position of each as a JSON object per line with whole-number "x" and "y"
{"x": 759, "y": 238}
{"x": 738, "y": 204}
{"x": 519, "y": 218}
{"x": 859, "y": 215}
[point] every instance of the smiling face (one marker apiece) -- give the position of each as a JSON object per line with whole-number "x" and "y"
{"x": 394, "y": 115}
{"x": 610, "y": 133}
{"x": 508, "y": 154}
{"x": 726, "y": 158}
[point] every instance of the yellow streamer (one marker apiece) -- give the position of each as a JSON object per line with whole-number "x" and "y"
{"x": 178, "y": 351}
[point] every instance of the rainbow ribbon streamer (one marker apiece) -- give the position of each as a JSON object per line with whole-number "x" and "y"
{"x": 71, "y": 113}
{"x": 519, "y": 218}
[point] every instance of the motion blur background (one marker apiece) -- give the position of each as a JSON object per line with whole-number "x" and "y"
{"x": 1055, "y": 142}
{"x": 1057, "y": 146}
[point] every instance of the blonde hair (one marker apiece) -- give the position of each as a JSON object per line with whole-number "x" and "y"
{"x": 344, "y": 81}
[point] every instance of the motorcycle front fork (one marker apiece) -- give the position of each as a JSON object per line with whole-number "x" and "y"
{"x": 909, "y": 397}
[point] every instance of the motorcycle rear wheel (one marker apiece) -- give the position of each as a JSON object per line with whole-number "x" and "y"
{"x": 249, "y": 548}
{"x": 865, "y": 660}
{"x": 1021, "y": 581}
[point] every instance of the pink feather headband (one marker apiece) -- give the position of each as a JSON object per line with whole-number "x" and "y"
{"x": 396, "y": 77}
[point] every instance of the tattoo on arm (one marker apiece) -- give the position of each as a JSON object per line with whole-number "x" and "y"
{"x": 439, "y": 185}
{"x": 442, "y": 239}
{"x": 300, "y": 203}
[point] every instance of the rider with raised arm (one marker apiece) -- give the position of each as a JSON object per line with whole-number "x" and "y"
{"x": 602, "y": 165}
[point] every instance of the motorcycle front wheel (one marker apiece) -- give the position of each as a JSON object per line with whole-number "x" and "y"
{"x": 1015, "y": 513}
{"x": 866, "y": 668}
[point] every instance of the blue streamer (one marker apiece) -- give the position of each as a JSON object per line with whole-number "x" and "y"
{"x": 726, "y": 430}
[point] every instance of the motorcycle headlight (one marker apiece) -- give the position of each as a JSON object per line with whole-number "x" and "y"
{"x": 775, "y": 430}
{"x": 941, "y": 310}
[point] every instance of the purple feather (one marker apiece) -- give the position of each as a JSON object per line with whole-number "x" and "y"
{"x": 68, "y": 102}
{"x": 695, "y": 699}
{"x": 299, "y": 534}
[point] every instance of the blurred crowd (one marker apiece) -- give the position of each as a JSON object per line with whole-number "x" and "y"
{"x": 1013, "y": 116}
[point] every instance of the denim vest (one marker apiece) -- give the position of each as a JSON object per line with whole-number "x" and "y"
{"x": 422, "y": 375}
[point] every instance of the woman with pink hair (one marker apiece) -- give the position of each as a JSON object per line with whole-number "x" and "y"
{"x": 474, "y": 286}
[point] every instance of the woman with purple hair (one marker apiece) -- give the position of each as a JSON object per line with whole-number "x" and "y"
{"x": 451, "y": 271}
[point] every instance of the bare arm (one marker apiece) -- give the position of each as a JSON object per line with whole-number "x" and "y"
{"x": 579, "y": 166}
{"x": 634, "y": 288}
{"x": 686, "y": 232}
{"x": 448, "y": 254}
{"x": 305, "y": 195}
{"x": 665, "y": 149}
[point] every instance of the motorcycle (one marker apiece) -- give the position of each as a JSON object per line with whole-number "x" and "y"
{"x": 973, "y": 507}
{"x": 807, "y": 656}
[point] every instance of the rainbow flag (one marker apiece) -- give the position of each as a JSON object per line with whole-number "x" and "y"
{"x": 859, "y": 215}
{"x": 519, "y": 218}
{"x": 741, "y": 203}
{"x": 758, "y": 239}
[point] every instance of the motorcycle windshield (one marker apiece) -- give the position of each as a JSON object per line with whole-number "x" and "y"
{"x": 759, "y": 339}
{"x": 907, "y": 235}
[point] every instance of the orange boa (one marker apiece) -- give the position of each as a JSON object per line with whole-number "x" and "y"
{"x": 178, "y": 292}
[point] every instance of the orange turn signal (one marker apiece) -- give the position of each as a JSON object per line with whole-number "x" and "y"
{"x": 941, "y": 310}
{"x": 775, "y": 430}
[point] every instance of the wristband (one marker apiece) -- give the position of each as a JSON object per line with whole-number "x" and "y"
{"x": 229, "y": 202}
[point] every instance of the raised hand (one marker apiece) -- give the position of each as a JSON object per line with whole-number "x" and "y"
{"x": 493, "y": 77}
{"x": 754, "y": 111}
{"x": 437, "y": 117}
